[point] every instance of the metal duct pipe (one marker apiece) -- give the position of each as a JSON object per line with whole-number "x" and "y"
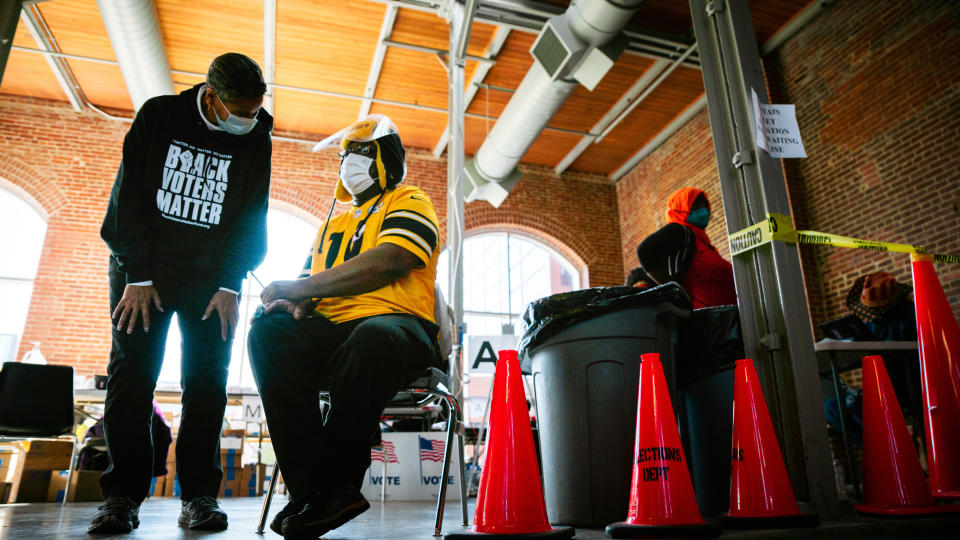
{"x": 537, "y": 99}
{"x": 598, "y": 22}
{"x": 135, "y": 35}
{"x": 532, "y": 106}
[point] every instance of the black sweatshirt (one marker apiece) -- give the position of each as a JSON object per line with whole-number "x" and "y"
{"x": 189, "y": 202}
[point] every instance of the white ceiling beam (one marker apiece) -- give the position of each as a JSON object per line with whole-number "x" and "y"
{"x": 681, "y": 120}
{"x": 463, "y": 36}
{"x": 434, "y": 50}
{"x": 496, "y": 43}
{"x": 529, "y": 17}
{"x": 269, "y": 51}
{"x": 37, "y": 27}
{"x": 663, "y": 76}
{"x": 386, "y": 28}
{"x": 621, "y": 105}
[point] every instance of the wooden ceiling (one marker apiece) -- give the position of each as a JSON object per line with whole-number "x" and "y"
{"x": 329, "y": 45}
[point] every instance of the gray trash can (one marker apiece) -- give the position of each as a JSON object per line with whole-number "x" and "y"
{"x": 586, "y": 368}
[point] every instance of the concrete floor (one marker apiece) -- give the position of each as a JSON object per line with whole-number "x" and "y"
{"x": 394, "y": 521}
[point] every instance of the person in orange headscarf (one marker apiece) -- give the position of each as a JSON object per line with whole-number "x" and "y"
{"x": 680, "y": 251}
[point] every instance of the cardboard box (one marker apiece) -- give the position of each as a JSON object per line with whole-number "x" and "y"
{"x": 85, "y": 486}
{"x": 169, "y": 481}
{"x": 248, "y": 480}
{"x": 44, "y": 455}
{"x": 5, "y": 492}
{"x": 230, "y": 487}
{"x": 230, "y": 458}
{"x": 172, "y": 453}
{"x": 9, "y": 455}
{"x": 57, "y": 488}
{"x": 156, "y": 486}
{"x": 29, "y": 465}
{"x": 32, "y": 487}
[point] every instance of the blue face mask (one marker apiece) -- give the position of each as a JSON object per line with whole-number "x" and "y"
{"x": 235, "y": 125}
{"x": 699, "y": 217}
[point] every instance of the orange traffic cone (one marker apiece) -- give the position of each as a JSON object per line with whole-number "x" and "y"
{"x": 662, "y": 503}
{"x": 761, "y": 495}
{"x": 510, "y": 503}
{"x": 893, "y": 482}
{"x": 939, "y": 338}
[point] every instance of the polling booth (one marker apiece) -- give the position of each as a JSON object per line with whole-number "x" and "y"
{"x": 408, "y": 466}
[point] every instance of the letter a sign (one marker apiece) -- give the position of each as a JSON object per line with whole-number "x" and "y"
{"x": 482, "y": 352}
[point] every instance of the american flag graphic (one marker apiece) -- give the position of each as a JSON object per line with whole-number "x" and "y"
{"x": 431, "y": 450}
{"x": 385, "y": 452}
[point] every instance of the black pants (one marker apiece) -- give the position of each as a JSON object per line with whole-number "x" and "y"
{"x": 135, "y": 362}
{"x": 363, "y": 363}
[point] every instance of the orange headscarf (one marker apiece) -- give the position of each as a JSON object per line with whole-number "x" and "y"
{"x": 679, "y": 204}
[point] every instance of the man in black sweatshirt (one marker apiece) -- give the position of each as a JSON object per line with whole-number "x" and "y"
{"x": 186, "y": 221}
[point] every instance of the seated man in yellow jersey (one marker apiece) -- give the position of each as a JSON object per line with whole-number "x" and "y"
{"x": 359, "y": 321}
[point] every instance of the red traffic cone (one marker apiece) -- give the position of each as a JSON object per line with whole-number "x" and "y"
{"x": 893, "y": 482}
{"x": 662, "y": 503}
{"x": 761, "y": 495}
{"x": 510, "y": 503}
{"x": 939, "y": 338}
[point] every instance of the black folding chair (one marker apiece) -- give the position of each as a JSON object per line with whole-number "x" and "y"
{"x": 36, "y": 402}
{"x": 418, "y": 398}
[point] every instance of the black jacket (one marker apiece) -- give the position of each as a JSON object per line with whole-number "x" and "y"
{"x": 189, "y": 202}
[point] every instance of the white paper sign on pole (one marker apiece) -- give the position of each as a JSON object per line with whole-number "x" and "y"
{"x": 253, "y": 409}
{"x": 482, "y": 352}
{"x": 777, "y": 130}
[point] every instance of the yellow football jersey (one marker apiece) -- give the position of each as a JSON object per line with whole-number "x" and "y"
{"x": 403, "y": 216}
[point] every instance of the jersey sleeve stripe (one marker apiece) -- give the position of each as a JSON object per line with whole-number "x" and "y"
{"x": 416, "y": 227}
{"x": 411, "y": 237}
{"x": 307, "y": 268}
{"x": 414, "y": 215}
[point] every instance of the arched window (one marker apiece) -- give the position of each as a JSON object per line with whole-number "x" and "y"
{"x": 18, "y": 266}
{"x": 502, "y": 273}
{"x": 288, "y": 243}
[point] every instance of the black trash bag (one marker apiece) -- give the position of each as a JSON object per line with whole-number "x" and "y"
{"x": 710, "y": 342}
{"x": 547, "y": 316}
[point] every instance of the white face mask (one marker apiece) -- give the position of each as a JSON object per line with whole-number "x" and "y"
{"x": 234, "y": 125}
{"x": 355, "y": 173}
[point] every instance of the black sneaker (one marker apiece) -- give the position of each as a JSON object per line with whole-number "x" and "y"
{"x": 292, "y": 508}
{"x": 117, "y": 515}
{"x": 202, "y": 514}
{"x": 324, "y": 513}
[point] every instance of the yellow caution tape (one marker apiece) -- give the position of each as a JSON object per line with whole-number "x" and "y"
{"x": 780, "y": 227}
{"x": 776, "y": 227}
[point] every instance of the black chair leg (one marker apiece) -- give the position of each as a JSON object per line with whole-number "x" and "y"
{"x": 268, "y": 499}
{"x": 441, "y": 498}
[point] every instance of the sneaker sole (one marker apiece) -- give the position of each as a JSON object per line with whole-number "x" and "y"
{"x": 110, "y": 526}
{"x": 216, "y": 522}
{"x": 317, "y": 528}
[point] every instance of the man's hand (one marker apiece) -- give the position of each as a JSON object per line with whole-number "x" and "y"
{"x": 299, "y": 310}
{"x": 134, "y": 304}
{"x": 292, "y": 290}
{"x": 225, "y": 304}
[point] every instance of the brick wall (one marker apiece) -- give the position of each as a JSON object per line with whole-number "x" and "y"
{"x": 66, "y": 163}
{"x": 877, "y": 90}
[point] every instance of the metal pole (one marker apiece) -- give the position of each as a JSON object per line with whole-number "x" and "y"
{"x": 9, "y": 16}
{"x": 269, "y": 51}
{"x": 770, "y": 293}
{"x": 455, "y": 219}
